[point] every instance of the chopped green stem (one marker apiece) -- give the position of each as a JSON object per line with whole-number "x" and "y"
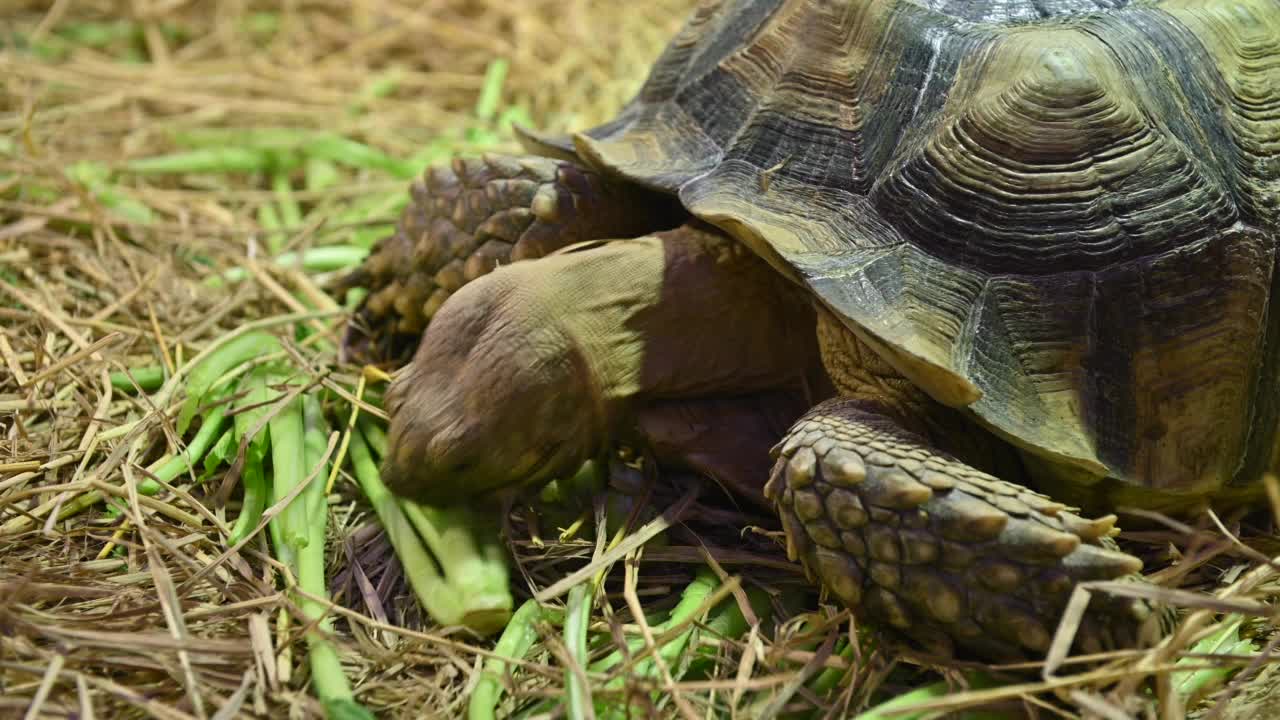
{"x": 1225, "y": 641}
{"x": 727, "y": 620}
{"x": 365, "y": 237}
{"x": 289, "y": 468}
{"x": 516, "y": 641}
{"x": 94, "y": 177}
{"x": 269, "y": 221}
{"x": 695, "y": 593}
{"x": 81, "y": 503}
{"x": 214, "y": 160}
{"x": 440, "y": 601}
{"x": 346, "y": 151}
{"x": 577, "y": 617}
{"x": 147, "y": 379}
{"x": 224, "y": 448}
{"x": 290, "y": 211}
{"x": 311, "y": 260}
{"x": 471, "y": 559}
{"x": 321, "y": 174}
{"x": 375, "y": 436}
{"x": 256, "y": 400}
{"x": 327, "y": 677}
{"x": 255, "y": 499}
{"x": 210, "y": 430}
{"x": 315, "y": 444}
{"x": 899, "y": 708}
{"x": 331, "y": 684}
{"x": 830, "y": 677}
{"x": 373, "y": 207}
{"x": 275, "y": 528}
{"x": 466, "y": 546}
{"x": 691, "y": 600}
{"x": 254, "y": 138}
{"x": 491, "y": 91}
{"x": 236, "y": 351}
{"x": 347, "y": 710}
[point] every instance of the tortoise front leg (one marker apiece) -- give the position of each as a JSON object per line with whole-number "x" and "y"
{"x": 472, "y": 215}
{"x": 946, "y": 555}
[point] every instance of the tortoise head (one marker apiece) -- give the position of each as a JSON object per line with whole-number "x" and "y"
{"x": 496, "y": 398}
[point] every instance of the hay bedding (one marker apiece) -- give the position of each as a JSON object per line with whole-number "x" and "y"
{"x": 104, "y": 264}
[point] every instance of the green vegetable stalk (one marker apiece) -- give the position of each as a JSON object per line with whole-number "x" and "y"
{"x": 516, "y": 641}
{"x": 473, "y": 561}
{"x": 444, "y": 592}
{"x": 327, "y": 677}
{"x": 210, "y": 430}
{"x": 295, "y": 437}
{"x": 253, "y": 477}
{"x": 200, "y": 380}
{"x": 704, "y": 583}
{"x": 148, "y": 379}
{"x": 576, "y": 619}
{"x": 312, "y": 260}
{"x": 288, "y": 463}
{"x": 254, "y": 482}
{"x": 297, "y": 443}
{"x": 900, "y": 707}
{"x": 691, "y": 600}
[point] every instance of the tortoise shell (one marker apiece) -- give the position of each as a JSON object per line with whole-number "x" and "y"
{"x": 1061, "y": 214}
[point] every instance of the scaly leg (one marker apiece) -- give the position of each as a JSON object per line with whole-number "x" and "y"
{"x": 924, "y": 545}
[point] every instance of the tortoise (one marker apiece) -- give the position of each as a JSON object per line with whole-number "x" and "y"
{"x": 999, "y": 265}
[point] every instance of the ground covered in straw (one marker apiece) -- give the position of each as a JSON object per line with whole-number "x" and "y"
{"x": 160, "y": 162}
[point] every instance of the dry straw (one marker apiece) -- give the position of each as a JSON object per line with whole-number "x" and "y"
{"x": 173, "y": 172}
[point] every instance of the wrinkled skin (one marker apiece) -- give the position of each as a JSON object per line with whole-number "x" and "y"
{"x": 489, "y": 369}
{"x": 530, "y": 370}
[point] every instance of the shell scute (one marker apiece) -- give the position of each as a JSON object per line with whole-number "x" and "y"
{"x": 1062, "y": 215}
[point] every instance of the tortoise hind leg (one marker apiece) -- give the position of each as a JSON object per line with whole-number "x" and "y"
{"x": 472, "y": 215}
{"x": 948, "y": 556}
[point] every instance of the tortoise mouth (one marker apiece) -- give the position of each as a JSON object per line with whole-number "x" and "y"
{"x": 408, "y": 473}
